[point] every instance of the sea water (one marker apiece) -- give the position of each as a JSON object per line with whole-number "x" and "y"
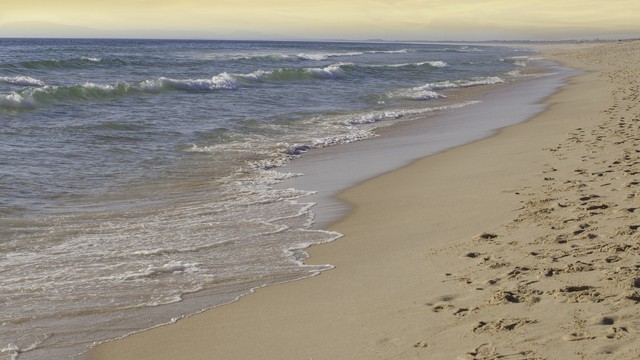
{"x": 138, "y": 177}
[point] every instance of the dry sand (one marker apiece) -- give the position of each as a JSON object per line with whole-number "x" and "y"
{"x": 525, "y": 245}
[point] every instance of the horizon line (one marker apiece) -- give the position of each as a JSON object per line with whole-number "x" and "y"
{"x": 589, "y": 39}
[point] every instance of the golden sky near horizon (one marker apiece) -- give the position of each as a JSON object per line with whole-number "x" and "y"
{"x": 356, "y": 19}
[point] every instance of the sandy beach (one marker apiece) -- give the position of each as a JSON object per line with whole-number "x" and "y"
{"x": 524, "y": 245}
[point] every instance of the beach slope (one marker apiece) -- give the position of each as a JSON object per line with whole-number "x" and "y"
{"x": 522, "y": 245}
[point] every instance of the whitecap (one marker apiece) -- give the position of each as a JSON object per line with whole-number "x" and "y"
{"x": 403, "y": 51}
{"x": 319, "y": 57}
{"x": 223, "y": 81}
{"x": 106, "y": 88}
{"x": 330, "y": 72}
{"x": 92, "y": 59}
{"x": 492, "y": 80}
{"x": 16, "y": 101}
{"x": 257, "y": 75}
{"x": 21, "y": 81}
{"x": 436, "y": 64}
{"x": 428, "y": 91}
{"x": 374, "y": 117}
{"x": 418, "y": 94}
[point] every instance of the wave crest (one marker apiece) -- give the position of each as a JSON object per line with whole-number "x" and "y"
{"x": 32, "y": 97}
{"x": 21, "y": 81}
{"x": 320, "y": 57}
{"x": 14, "y": 101}
{"x": 377, "y": 116}
{"x": 334, "y": 71}
{"x": 401, "y": 51}
{"x": 222, "y": 81}
{"x": 428, "y": 91}
{"x": 436, "y": 64}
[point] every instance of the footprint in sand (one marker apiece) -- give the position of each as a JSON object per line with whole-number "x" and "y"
{"x": 578, "y": 336}
{"x": 501, "y": 325}
{"x": 522, "y": 294}
{"x": 443, "y": 303}
{"x": 579, "y": 294}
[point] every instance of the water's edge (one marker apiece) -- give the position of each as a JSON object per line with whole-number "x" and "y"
{"x": 405, "y": 142}
{"x": 329, "y": 170}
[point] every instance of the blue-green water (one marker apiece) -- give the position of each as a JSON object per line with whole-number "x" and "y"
{"x": 136, "y": 175}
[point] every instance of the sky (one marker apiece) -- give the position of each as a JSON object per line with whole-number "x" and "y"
{"x": 324, "y": 19}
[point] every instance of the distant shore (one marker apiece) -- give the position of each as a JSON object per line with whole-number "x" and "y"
{"x": 522, "y": 245}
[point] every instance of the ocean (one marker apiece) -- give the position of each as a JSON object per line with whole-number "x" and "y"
{"x": 139, "y": 178}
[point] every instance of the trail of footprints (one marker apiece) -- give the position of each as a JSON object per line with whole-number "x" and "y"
{"x": 585, "y": 221}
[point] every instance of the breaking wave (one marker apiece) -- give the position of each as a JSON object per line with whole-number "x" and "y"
{"x": 377, "y": 116}
{"x": 319, "y": 57}
{"x": 429, "y": 91}
{"x": 32, "y": 97}
{"x": 21, "y": 81}
{"x": 335, "y": 71}
{"x": 435, "y": 64}
{"x": 40, "y": 93}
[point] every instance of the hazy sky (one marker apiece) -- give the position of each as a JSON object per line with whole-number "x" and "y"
{"x": 344, "y": 19}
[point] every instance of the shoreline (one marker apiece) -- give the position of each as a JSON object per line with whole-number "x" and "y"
{"x": 394, "y": 297}
{"x": 404, "y": 142}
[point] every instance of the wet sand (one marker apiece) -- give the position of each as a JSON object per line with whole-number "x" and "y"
{"x": 521, "y": 245}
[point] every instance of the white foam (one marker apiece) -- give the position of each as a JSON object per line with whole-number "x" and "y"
{"x": 92, "y": 59}
{"x": 17, "y": 101}
{"x": 223, "y": 81}
{"x": 476, "y": 81}
{"x": 151, "y": 271}
{"x": 317, "y": 57}
{"x": 342, "y": 139}
{"x": 169, "y": 251}
{"x": 396, "y": 114}
{"x": 437, "y": 64}
{"x": 320, "y": 57}
{"x": 150, "y": 85}
{"x": 257, "y": 75}
{"x": 520, "y": 61}
{"x": 428, "y": 91}
{"x": 12, "y": 349}
{"x": 101, "y": 87}
{"x": 374, "y": 117}
{"x": 21, "y": 81}
{"x": 333, "y": 71}
{"x": 353, "y": 53}
{"x": 203, "y": 149}
{"x": 468, "y": 49}
{"x": 420, "y": 93}
{"x": 492, "y": 80}
{"x": 329, "y": 72}
{"x": 403, "y": 51}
